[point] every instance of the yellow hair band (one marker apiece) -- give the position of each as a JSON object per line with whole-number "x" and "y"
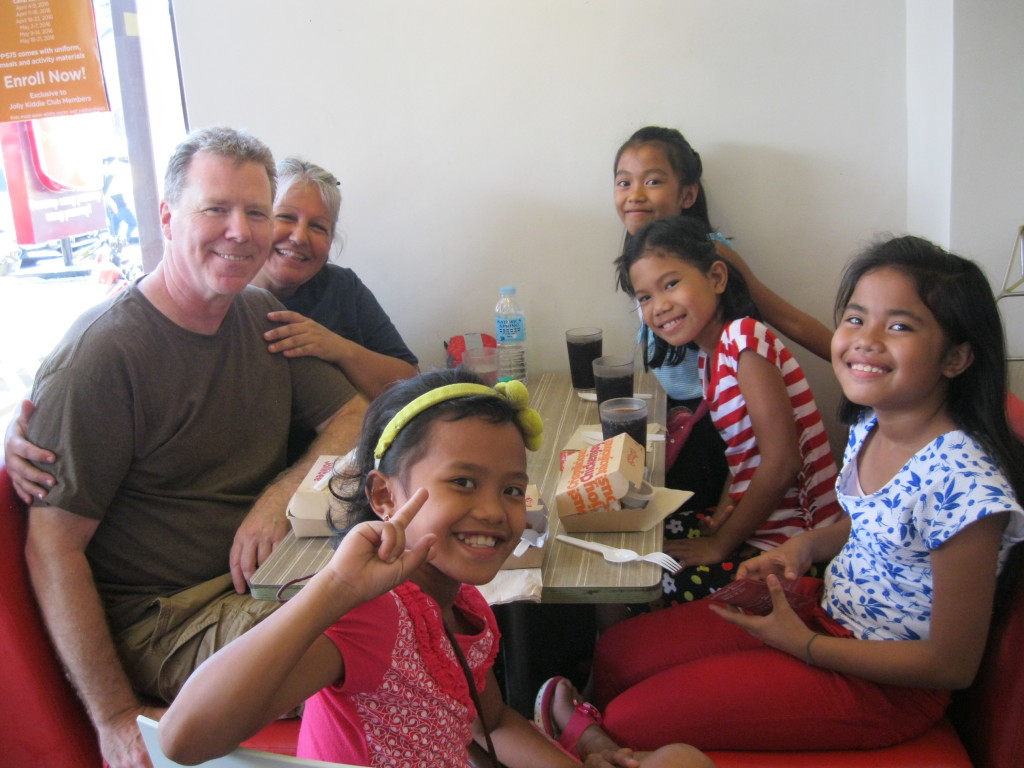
{"x": 528, "y": 420}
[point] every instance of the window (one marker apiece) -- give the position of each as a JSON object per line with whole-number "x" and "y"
{"x": 119, "y": 156}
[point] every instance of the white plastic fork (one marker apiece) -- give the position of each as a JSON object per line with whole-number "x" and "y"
{"x": 616, "y": 555}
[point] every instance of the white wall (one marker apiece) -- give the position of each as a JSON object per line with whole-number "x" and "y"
{"x": 929, "y": 118}
{"x": 474, "y": 138}
{"x": 988, "y": 159}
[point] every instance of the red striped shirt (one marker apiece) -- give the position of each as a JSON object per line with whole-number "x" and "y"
{"x": 811, "y": 502}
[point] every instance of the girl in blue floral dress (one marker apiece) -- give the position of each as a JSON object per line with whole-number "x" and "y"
{"x": 930, "y": 488}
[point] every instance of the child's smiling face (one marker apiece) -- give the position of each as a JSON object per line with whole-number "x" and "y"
{"x": 647, "y": 188}
{"x": 475, "y": 474}
{"x": 679, "y": 302}
{"x": 889, "y": 352}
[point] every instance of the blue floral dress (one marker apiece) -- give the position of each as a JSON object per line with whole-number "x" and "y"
{"x": 880, "y": 584}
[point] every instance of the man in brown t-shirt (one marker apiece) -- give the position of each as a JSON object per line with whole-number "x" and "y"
{"x": 168, "y": 420}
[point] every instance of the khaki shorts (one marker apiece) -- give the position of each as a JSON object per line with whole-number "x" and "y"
{"x": 179, "y": 632}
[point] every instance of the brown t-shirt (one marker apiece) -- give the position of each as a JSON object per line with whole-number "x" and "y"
{"x": 167, "y": 436}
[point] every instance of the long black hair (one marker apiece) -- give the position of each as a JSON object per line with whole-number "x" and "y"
{"x": 409, "y": 445}
{"x": 958, "y": 294}
{"x": 685, "y": 238}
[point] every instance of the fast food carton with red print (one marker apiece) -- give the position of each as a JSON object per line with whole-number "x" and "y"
{"x": 594, "y": 481}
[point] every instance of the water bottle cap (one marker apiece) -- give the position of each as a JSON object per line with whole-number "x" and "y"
{"x": 507, "y": 290}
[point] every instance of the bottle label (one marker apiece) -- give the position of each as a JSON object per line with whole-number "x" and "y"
{"x": 510, "y": 330}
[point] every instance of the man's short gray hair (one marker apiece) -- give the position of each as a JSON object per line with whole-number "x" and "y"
{"x": 218, "y": 140}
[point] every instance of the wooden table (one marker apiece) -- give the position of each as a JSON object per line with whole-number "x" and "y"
{"x": 569, "y": 574}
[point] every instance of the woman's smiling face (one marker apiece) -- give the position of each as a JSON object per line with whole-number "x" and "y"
{"x": 303, "y": 233}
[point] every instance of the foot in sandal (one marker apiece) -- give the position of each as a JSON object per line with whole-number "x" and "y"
{"x": 561, "y": 713}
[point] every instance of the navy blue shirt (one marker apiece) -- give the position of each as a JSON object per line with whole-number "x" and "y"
{"x": 337, "y": 299}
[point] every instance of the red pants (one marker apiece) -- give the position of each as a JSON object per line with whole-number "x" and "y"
{"x": 684, "y": 674}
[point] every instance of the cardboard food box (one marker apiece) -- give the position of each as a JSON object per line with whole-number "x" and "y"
{"x": 593, "y": 482}
{"x": 307, "y": 510}
{"x": 534, "y": 537}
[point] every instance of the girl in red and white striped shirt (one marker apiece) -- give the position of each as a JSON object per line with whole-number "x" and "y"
{"x": 782, "y": 472}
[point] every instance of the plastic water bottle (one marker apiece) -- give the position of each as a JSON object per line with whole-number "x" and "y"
{"x": 510, "y": 332}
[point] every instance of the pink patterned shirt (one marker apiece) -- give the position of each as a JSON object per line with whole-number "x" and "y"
{"x": 811, "y": 502}
{"x": 404, "y": 700}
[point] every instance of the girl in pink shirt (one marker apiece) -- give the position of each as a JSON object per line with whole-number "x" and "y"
{"x": 392, "y": 643}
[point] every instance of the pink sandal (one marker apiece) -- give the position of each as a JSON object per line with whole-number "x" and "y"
{"x": 583, "y": 716}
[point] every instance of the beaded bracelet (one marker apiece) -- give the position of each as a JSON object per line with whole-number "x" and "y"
{"x": 807, "y": 649}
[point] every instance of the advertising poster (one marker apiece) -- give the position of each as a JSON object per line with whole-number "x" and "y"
{"x": 49, "y": 60}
